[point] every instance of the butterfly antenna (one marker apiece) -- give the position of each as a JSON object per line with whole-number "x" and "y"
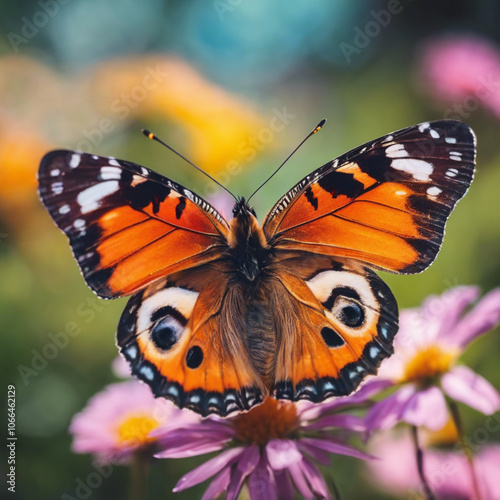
{"x": 317, "y": 128}
{"x": 153, "y": 137}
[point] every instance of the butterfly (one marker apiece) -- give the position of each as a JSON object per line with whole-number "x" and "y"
{"x": 224, "y": 313}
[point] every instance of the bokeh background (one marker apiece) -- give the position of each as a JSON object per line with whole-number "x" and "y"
{"x": 234, "y": 85}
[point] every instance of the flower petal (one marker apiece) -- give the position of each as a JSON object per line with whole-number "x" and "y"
{"x": 245, "y": 466}
{"x": 208, "y": 469}
{"x": 427, "y": 408}
{"x": 282, "y": 453}
{"x": 466, "y": 386}
{"x": 315, "y": 479}
{"x": 189, "y": 449}
{"x": 447, "y": 308}
{"x": 284, "y": 485}
{"x": 261, "y": 482}
{"x": 480, "y": 320}
{"x": 195, "y": 439}
{"x": 298, "y": 478}
{"x": 218, "y": 485}
{"x": 336, "y": 447}
{"x": 350, "y": 422}
{"x": 387, "y": 413}
{"x": 320, "y": 456}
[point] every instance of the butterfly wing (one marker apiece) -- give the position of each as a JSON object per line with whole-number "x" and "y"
{"x": 336, "y": 324}
{"x": 127, "y": 225}
{"x": 183, "y": 338}
{"x": 384, "y": 203}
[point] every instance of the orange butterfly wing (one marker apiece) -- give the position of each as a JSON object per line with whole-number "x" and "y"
{"x": 127, "y": 226}
{"x": 344, "y": 319}
{"x": 385, "y": 203}
{"x": 184, "y": 338}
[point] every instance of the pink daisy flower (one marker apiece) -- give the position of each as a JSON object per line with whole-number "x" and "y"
{"x": 448, "y": 472}
{"x": 116, "y": 422}
{"x": 121, "y": 368}
{"x": 272, "y": 448}
{"x": 461, "y": 68}
{"x": 424, "y": 367}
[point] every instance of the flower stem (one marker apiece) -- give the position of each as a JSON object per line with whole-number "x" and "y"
{"x": 457, "y": 420}
{"x": 420, "y": 465}
{"x": 335, "y": 490}
{"x": 139, "y": 470}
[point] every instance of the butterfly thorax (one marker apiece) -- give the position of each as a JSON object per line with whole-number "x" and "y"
{"x": 247, "y": 243}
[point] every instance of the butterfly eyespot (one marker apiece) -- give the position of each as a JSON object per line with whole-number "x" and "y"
{"x": 194, "y": 357}
{"x": 348, "y": 311}
{"x": 166, "y": 333}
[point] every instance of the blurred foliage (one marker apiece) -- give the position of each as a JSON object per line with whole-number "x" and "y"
{"x": 72, "y": 75}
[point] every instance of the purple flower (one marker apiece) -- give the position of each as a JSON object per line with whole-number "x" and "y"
{"x": 117, "y": 421}
{"x": 463, "y": 69}
{"x": 273, "y": 448}
{"x": 121, "y": 368}
{"x": 447, "y": 472}
{"x": 424, "y": 367}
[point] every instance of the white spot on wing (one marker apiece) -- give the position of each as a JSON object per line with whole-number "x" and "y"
{"x": 455, "y": 158}
{"x": 401, "y": 192}
{"x": 110, "y": 173}
{"x": 188, "y": 194}
{"x": 57, "y": 187}
{"x": 131, "y": 351}
{"x": 423, "y": 126}
{"x": 64, "y": 209}
{"x": 451, "y": 172}
{"x": 55, "y": 172}
{"x": 450, "y": 140}
{"x": 147, "y": 372}
{"x": 79, "y": 224}
{"x": 396, "y": 151}
{"x": 419, "y": 169}
{"x": 75, "y": 160}
{"x": 112, "y": 161}
{"x": 434, "y": 191}
{"x": 90, "y": 198}
{"x": 434, "y": 134}
{"x": 137, "y": 179}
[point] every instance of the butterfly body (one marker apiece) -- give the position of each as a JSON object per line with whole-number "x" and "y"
{"x": 249, "y": 250}
{"x": 221, "y": 313}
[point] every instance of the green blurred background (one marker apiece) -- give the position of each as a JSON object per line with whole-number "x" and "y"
{"x": 73, "y": 74}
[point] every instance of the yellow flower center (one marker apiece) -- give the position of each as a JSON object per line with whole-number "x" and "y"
{"x": 134, "y": 430}
{"x": 448, "y": 435}
{"x": 270, "y": 420}
{"x": 428, "y": 364}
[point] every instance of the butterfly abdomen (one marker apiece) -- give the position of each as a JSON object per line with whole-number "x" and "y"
{"x": 261, "y": 337}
